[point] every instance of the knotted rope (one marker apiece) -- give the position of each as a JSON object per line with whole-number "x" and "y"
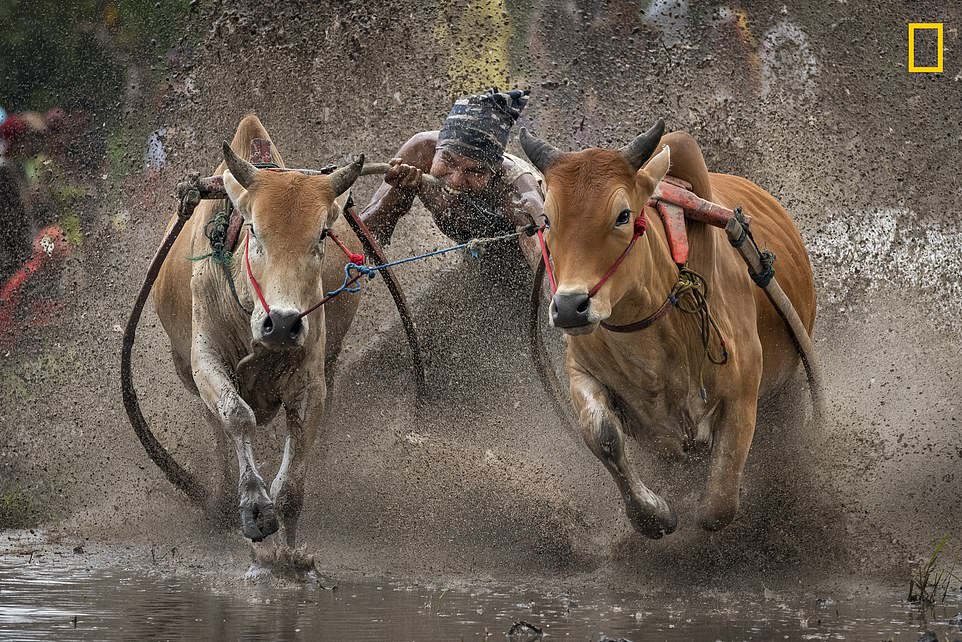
{"x": 216, "y": 233}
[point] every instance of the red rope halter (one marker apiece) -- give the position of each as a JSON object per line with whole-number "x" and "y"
{"x": 356, "y": 259}
{"x": 641, "y": 224}
{"x": 250, "y": 274}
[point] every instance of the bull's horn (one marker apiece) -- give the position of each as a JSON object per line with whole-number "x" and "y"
{"x": 539, "y": 152}
{"x": 342, "y": 179}
{"x": 243, "y": 171}
{"x": 640, "y": 150}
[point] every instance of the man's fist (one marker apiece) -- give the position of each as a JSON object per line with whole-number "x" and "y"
{"x": 401, "y": 175}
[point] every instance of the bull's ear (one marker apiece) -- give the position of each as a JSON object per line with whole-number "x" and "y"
{"x": 236, "y": 193}
{"x": 657, "y": 168}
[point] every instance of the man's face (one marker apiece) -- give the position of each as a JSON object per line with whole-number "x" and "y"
{"x": 460, "y": 173}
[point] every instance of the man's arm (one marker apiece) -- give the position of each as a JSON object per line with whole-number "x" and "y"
{"x": 525, "y": 205}
{"x": 394, "y": 197}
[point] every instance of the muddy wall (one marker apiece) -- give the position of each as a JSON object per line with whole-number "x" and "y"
{"x": 811, "y": 100}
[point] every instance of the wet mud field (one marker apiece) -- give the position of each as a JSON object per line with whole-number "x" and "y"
{"x": 481, "y": 508}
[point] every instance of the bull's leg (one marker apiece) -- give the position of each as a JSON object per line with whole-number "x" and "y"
{"x": 223, "y": 498}
{"x": 222, "y": 399}
{"x": 730, "y": 445}
{"x": 303, "y": 420}
{"x": 602, "y": 430}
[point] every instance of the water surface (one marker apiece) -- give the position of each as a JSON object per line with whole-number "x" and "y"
{"x": 60, "y": 595}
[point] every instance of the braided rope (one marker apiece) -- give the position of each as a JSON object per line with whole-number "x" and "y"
{"x": 353, "y": 271}
{"x": 690, "y": 295}
{"x": 216, "y": 233}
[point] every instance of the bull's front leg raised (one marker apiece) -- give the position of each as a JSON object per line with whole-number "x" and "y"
{"x": 602, "y": 430}
{"x": 217, "y": 390}
{"x": 304, "y": 414}
{"x": 731, "y": 441}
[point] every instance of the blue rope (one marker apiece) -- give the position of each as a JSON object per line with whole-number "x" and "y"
{"x": 353, "y": 269}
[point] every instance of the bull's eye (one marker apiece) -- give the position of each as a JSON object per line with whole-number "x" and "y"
{"x": 547, "y": 223}
{"x": 623, "y": 217}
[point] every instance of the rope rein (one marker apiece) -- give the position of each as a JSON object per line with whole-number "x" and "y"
{"x": 354, "y": 269}
{"x": 216, "y": 233}
{"x": 690, "y": 295}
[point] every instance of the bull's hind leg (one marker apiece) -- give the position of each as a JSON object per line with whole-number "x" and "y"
{"x": 222, "y": 501}
{"x": 304, "y": 415}
{"x": 731, "y": 442}
{"x": 258, "y": 520}
{"x": 602, "y": 430}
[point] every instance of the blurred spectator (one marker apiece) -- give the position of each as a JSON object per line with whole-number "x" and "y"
{"x": 22, "y": 136}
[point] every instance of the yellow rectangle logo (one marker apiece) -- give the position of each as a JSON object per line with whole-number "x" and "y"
{"x": 937, "y": 26}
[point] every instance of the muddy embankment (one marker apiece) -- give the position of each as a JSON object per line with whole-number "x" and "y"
{"x": 807, "y": 101}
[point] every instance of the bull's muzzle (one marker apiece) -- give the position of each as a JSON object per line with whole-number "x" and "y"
{"x": 571, "y": 310}
{"x": 282, "y": 329}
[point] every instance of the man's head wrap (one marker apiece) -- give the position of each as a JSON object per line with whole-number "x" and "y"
{"x": 478, "y": 127}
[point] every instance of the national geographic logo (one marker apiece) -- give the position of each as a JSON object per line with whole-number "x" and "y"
{"x": 926, "y": 52}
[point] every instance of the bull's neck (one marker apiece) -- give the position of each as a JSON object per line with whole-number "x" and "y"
{"x": 650, "y": 272}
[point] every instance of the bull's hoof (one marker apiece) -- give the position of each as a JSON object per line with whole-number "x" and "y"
{"x": 258, "y": 521}
{"x": 714, "y": 517}
{"x": 654, "y": 526}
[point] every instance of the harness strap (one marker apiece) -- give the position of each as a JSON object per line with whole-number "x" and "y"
{"x": 647, "y": 322}
{"x": 234, "y": 225}
{"x": 640, "y": 226}
{"x": 250, "y": 274}
{"x": 689, "y": 295}
{"x": 233, "y": 288}
{"x": 766, "y": 259}
{"x": 356, "y": 259}
{"x": 547, "y": 260}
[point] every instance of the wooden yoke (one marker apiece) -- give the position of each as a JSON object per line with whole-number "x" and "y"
{"x": 674, "y": 201}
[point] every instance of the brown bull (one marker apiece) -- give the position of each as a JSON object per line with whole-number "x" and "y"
{"x": 656, "y": 384}
{"x": 245, "y": 366}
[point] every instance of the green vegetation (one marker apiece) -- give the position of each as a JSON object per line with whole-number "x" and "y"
{"x": 931, "y": 580}
{"x": 16, "y": 510}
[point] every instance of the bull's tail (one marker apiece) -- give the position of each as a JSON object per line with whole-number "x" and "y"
{"x": 174, "y": 472}
{"x": 761, "y": 271}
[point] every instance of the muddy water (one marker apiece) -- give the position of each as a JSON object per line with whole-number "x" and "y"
{"x": 60, "y": 595}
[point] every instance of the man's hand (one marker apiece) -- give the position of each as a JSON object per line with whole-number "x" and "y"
{"x": 402, "y": 175}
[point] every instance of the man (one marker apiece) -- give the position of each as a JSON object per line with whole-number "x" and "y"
{"x": 482, "y": 191}
{"x": 21, "y": 136}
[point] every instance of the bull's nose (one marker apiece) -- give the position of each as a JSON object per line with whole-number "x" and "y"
{"x": 570, "y": 310}
{"x": 282, "y": 328}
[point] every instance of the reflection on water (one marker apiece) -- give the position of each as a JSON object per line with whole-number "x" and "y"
{"x": 62, "y": 598}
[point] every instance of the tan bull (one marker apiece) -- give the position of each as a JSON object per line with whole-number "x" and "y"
{"x": 656, "y": 384}
{"x": 245, "y": 366}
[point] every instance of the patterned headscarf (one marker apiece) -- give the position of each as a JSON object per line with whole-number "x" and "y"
{"x": 478, "y": 127}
